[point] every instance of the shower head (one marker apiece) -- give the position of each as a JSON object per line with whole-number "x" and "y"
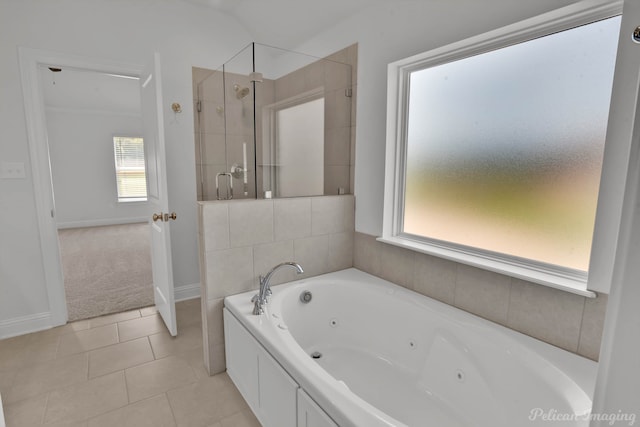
{"x": 241, "y": 91}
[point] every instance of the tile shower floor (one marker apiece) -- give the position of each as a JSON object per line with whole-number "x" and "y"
{"x": 118, "y": 370}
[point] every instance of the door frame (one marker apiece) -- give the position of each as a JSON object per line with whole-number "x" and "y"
{"x": 34, "y": 108}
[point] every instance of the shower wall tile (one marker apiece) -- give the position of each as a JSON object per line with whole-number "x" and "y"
{"x": 229, "y": 271}
{"x": 339, "y": 56}
{"x": 292, "y": 218}
{"x": 267, "y": 255}
{"x": 396, "y": 265}
{"x": 216, "y": 226}
{"x": 212, "y": 116}
{"x": 349, "y": 214}
{"x": 290, "y": 85}
{"x": 340, "y": 251}
{"x": 327, "y": 215}
{"x": 435, "y": 277}
{"x": 212, "y": 86}
{"x": 337, "y": 146}
{"x": 354, "y": 105}
{"x": 314, "y": 75}
{"x": 563, "y": 319}
{"x": 336, "y": 178}
{"x": 312, "y": 253}
{"x": 366, "y": 254}
{"x": 242, "y": 239}
{"x": 483, "y": 293}
{"x": 250, "y": 222}
{"x": 538, "y": 310}
{"x": 213, "y": 148}
{"x": 592, "y": 326}
{"x": 352, "y": 59}
{"x": 214, "y": 335}
{"x": 337, "y": 76}
{"x": 337, "y": 109}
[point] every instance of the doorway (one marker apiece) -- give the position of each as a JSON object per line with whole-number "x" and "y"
{"x": 96, "y": 152}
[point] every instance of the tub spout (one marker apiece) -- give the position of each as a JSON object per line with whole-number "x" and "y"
{"x": 260, "y": 299}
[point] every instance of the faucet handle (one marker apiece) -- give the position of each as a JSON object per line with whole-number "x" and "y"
{"x": 255, "y": 298}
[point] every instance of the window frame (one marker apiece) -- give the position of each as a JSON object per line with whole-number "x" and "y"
{"x": 127, "y": 200}
{"x": 396, "y": 142}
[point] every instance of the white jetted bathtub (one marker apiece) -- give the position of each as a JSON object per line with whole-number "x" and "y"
{"x": 364, "y": 352}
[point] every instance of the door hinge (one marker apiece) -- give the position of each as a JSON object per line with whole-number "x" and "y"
{"x": 199, "y": 106}
{"x": 348, "y": 92}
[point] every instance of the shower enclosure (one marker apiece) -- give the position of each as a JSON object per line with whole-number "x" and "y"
{"x": 275, "y": 123}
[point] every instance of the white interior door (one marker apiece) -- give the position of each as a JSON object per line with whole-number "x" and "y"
{"x": 159, "y": 217}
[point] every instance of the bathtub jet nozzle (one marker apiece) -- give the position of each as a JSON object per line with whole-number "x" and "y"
{"x": 306, "y": 297}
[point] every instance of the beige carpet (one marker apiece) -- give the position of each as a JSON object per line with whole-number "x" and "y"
{"x": 106, "y": 269}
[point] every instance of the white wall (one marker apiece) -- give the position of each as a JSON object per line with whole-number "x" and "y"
{"x": 83, "y": 168}
{"x": 390, "y": 32}
{"x": 124, "y": 31}
{"x": 187, "y": 35}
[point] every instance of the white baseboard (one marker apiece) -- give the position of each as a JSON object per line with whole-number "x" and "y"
{"x": 41, "y": 321}
{"x": 186, "y": 292}
{"x": 100, "y": 222}
{"x": 25, "y": 324}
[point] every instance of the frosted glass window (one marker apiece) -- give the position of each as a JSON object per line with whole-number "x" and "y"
{"x": 504, "y": 149}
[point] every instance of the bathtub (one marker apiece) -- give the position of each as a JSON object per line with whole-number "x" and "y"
{"x": 371, "y": 353}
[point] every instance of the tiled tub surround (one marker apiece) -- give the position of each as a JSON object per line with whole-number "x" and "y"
{"x": 242, "y": 239}
{"x": 568, "y": 321}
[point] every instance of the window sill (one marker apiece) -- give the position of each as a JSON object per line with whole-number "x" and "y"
{"x": 133, "y": 200}
{"x": 574, "y": 285}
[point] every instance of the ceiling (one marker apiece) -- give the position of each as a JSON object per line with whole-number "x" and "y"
{"x": 280, "y": 22}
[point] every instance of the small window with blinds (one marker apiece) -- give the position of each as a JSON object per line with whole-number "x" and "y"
{"x": 131, "y": 180}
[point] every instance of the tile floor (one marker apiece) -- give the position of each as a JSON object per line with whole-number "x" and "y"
{"x": 121, "y": 370}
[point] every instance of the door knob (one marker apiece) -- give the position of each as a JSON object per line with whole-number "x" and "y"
{"x": 157, "y": 217}
{"x": 172, "y": 216}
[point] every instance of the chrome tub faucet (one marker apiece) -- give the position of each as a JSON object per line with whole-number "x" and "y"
{"x": 260, "y": 299}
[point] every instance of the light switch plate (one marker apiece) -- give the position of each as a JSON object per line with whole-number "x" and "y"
{"x": 12, "y": 170}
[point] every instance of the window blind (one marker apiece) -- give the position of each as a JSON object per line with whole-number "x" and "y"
{"x": 131, "y": 181}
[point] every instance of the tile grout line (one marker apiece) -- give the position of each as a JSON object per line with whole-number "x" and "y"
{"x": 153, "y": 353}
{"x": 46, "y": 406}
{"x": 175, "y": 420}
{"x": 584, "y": 309}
